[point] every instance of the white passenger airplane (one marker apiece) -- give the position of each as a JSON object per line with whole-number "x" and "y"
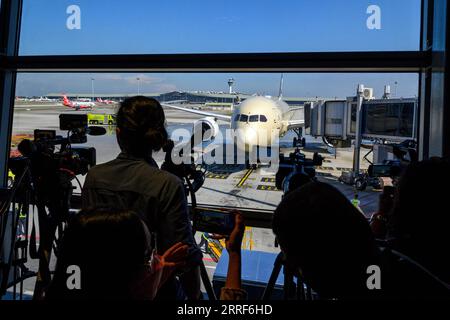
{"x": 255, "y": 120}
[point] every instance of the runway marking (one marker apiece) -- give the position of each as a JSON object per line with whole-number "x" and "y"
{"x": 269, "y": 180}
{"x": 247, "y": 241}
{"x": 216, "y": 249}
{"x": 220, "y": 176}
{"x": 267, "y": 188}
{"x": 227, "y": 168}
{"x": 244, "y": 178}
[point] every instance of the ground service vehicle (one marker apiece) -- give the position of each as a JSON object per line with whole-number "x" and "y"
{"x": 106, "y": 119}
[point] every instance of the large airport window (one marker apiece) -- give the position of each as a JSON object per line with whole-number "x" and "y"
{"x": 42, "y": 97}
{"x": 55, "y": 27}
{"x": 277, "y": 127}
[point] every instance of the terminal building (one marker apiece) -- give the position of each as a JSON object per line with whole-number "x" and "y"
{"x": 190, "y": 97}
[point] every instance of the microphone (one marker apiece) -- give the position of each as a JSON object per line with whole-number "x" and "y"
{"x": 96, "y": 131}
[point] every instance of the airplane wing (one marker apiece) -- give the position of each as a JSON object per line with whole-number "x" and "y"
{"x": 203, "y": 113}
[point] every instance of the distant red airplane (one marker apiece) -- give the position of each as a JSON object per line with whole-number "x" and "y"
{"x": 77, "y": 105}
{"x": 100, "y": 100}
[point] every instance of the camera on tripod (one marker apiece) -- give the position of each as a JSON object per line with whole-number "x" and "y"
{"x": 50, "y": 164}
{"x": 296, "y": 164}
{"x": 45, "y": 157}
{"x": 404, "y": 153}
{"x": 192, "y": 175}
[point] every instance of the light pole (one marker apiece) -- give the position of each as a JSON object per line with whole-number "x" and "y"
{"x": 92, "y": 89}
{"x": 395, "y": 89}
{"x": 358, "y": 133}
{"x": 139, "y": 86}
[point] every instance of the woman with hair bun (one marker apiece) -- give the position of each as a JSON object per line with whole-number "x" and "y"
{"x": 134, "y": 182}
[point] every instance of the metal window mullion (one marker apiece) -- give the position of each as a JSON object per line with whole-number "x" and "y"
{"x": 10, "y": 16}
{"x": 398, "y": 61}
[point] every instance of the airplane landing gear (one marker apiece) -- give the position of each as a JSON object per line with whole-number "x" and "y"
{"x": 253, "y": 166}
{"x": 299, "y": 141}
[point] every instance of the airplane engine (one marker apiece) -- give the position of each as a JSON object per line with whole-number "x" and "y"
{"x": 208, "y": 126}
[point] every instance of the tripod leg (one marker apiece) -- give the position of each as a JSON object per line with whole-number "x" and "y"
{"x": 273, "y": 277}
{"x": 300, "y": 290}
{"x": 309, "y": 295}
{"x": 289, "y": 285}
{"x": 205, "y": 279}
{"x": 47, "y": 229}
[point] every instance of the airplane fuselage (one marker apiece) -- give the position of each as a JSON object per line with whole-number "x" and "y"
{"x": 78, "y": 104}
{"x": 258, "y": 121}
{"x": 83, "y": 104}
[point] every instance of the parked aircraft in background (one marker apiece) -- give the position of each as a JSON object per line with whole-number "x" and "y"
{"x": 100, "y": 100}
{"x": 78, "y": 105}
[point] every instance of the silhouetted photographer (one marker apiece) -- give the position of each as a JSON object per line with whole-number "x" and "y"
{"x": 134, "y": 182}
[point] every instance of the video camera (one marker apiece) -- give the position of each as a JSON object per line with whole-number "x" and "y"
{"x": 53, "y": 164}
{"x": 46, "y": 159}
{"x": 404, "y": 152}
{"x": 388, "y": 169}
{"x": 193, "y": 178}
{"x": 296, "y": 164}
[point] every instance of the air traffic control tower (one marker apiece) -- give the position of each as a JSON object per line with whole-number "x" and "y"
{"x": 230, "y": 85}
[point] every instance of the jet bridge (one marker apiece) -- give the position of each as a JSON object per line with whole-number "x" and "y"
{"x": 383, "y": 121}
{"x": 392, "y": 120}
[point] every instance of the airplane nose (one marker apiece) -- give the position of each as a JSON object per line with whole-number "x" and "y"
{"x": 251, "y": 137}
{"x": 247, "y": 136}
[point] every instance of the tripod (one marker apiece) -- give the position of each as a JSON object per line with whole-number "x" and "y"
{"x": 14, "y": 217}
{"x": 291, "y": 290}
{"x": 205, "y": 279}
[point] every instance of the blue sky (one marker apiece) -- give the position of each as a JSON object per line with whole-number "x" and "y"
{"x": 200, "y": 26}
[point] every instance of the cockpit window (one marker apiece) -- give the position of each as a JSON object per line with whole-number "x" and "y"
{"x": 262, "y": 118}
{"x": 244, "y": 118}
{"x": 254, "y": 118}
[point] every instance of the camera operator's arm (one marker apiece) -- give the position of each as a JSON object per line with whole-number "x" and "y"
{"x": 233, "y": 245}
{"x": 232, "y": 289}
{"x": 174, "y": 226}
